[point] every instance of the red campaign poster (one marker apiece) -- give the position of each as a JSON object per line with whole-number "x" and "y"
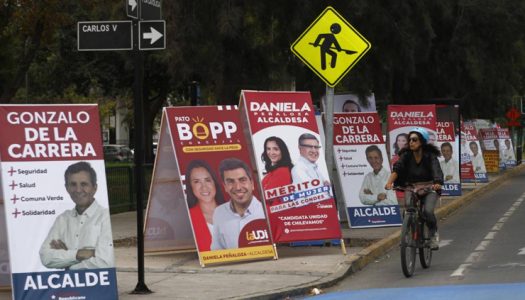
{"x": 290, "y": 162}
{"x": 215, "y": 172}
{"x": 472, "y": 162}
{"x": 507, "y": 156}
{"x": 402, "y": 119}
{"x": 363, "y": 167}
{"x": 54, "y": 189}
{"x": 449, "y": 160}
{"x": 491, "y": 149}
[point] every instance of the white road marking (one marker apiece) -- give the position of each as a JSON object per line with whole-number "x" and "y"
{"x": 497, "y": 226}
{"x": 473, "y": 257}
{"x": 490, "y": 235}
{"x": 459, "y": 271}
{"x": 483, "y": 245}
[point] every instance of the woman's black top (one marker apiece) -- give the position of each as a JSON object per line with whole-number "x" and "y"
{"x": 409, "y": 171}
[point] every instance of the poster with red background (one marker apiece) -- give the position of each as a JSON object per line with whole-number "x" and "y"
{"x": 402, "y": 118}
{"x": 449, "y": 160}
{"x": 472, "y": 162}
{"x": 491, "y": 149}
{"x": 204, "y": 138}
{"x": 297, "y": 190}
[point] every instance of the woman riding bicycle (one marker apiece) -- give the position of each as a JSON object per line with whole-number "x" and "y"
{"x": 418, "y": 166}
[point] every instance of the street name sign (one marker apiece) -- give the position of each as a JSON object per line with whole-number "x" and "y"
{"x": 152, "y": 35}
{"x": 132, "y": 8}
{"x": 330, "y": 46}
{"x": 150, "y": 9}
{"x": 104, "y": 35}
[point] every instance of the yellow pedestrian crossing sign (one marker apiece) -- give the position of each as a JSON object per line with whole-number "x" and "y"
{"x": 330, "y": 46}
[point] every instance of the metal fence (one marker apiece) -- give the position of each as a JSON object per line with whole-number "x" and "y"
{"x": 121, "y": 190}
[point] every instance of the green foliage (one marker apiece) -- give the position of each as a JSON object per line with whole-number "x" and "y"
{"x": 472, "y": 51}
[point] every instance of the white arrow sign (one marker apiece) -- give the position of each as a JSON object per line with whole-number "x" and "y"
{"x": 133, "y": 4}
{"x": 154, "y": 35}
{"x": 522, "y": 251}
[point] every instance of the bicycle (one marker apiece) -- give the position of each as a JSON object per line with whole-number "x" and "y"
{"x": 415, "y": 233}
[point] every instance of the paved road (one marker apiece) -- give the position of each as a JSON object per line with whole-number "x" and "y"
{"x": 482, "y": 243}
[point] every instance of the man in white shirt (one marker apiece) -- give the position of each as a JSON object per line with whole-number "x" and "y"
{"x": 449, "y": 166}
{"x": 372, "y": 190}
{"x": 478, "y": 163}
{"x": 229, "y": 218}
{"x": 81, "y": 237}
{"x": 306, "y": 168}
{"x": 508, "y": 153}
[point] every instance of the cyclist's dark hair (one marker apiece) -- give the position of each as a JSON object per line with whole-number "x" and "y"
{"x": 427, "y": 148}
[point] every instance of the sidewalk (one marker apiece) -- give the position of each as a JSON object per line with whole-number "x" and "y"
{"x": 296, "y": 272}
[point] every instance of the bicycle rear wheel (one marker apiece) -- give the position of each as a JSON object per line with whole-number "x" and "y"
{"x": 408, "y": 249}
{"x": 425, "y": 253}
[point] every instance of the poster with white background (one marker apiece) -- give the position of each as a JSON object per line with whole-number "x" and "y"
{"x": 58, "y": 224}
{"x": 363, "y": 168}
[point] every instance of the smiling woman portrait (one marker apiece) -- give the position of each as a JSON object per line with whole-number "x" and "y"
{"x": 277, "y": 163}
{"x": 204, "y": 194}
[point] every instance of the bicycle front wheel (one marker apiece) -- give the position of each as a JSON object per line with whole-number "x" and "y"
{"x": 408, "y": 249}
{"x": 425, "y": 253}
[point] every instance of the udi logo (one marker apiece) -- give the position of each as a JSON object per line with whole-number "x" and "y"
{"x": 253, "y": 235}
{"x": 189, "y": 128}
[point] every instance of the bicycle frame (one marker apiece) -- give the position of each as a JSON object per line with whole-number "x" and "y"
{"x": 414, "y": 234}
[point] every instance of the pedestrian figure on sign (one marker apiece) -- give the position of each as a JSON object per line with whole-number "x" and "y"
{"x": 328, "y": 43}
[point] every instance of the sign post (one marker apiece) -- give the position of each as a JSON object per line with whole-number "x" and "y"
{"x": 330, "y": 37}
{"x": 118, "y": 35}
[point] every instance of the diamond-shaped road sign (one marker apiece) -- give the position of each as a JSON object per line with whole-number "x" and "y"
{"x": 330, "y": 46}
{"x": 152, "y": 35}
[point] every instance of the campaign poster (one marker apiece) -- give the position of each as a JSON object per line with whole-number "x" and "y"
{"x": 491, "y": 149}
{"x": 363, "y": 168}
{"x": 506, "y": 149}
{"x": 402, "y": 119}
{"x": 220, "y": 184}
{"x": 56, "y": 202}
{"x": 472, "y": 152}
{"x": 291, "y": 164}
{"x": 5, "y": 273}
{"x": 167, "y": 226}
{"x": 349, "y": 102}
{"x": 449, "y": 160}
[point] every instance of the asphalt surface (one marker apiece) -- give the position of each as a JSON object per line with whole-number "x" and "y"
{"x": 483, "y": 243}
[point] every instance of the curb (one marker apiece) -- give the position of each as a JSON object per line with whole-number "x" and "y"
{"x": 364, "y": 257}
